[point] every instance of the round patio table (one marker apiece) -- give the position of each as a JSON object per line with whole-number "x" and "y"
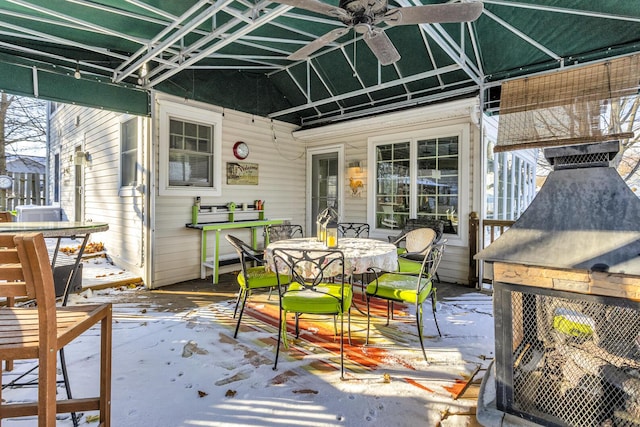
{"x": 359, "y": 254}
{"x": 59, "y": 230}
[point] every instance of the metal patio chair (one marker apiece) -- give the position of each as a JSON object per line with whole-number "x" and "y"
{"x": 412, "y": 247}
{"x": 311, "y": 290}
{"x": 408, "y": 288}
{"x": 251, "y": 277}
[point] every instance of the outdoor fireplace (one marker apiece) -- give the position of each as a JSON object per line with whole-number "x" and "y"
{"x": 567, "y": 301}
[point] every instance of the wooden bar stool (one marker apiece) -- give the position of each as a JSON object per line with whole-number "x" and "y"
{"x": 40, "y": 332}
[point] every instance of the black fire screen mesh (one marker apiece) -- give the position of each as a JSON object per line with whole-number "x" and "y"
{"x": 573, "y": 360}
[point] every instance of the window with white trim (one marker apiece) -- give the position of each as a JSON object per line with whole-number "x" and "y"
{"x": 190, "y": 144}
{"x": 420, "y": 175}
{"x": 129, "y": 152}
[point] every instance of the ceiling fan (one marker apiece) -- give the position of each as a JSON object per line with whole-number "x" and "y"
{"x": 364, "y": 16}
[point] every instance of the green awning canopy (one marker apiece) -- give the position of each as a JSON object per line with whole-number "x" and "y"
{"x": 235, "y": 53}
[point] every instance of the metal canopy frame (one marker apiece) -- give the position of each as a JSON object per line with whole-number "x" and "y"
{"x": 139, "y": 45}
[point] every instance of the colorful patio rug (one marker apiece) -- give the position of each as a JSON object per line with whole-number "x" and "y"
{"x": 456, "y": 360}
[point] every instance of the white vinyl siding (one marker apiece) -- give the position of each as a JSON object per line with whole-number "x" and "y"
{"x": 279, "y": 152}
{"x": 97, "y": 132}
{"x": 281, "y": 184}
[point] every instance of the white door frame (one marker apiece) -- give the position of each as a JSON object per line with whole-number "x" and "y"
{"x": 339, "y": 149}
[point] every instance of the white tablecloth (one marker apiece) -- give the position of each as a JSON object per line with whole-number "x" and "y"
{"x": 359, "y": 254}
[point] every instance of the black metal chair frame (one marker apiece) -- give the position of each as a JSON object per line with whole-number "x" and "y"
{"x": 275, "y": 232}
{"x": 353, "y": 229}
{"x": 437, "y": 225}
{"x": 247, "y": 255}
{"x": 295, "y": 261}
{"x": 357, "y": 230}
{"x": 430, "y": 264}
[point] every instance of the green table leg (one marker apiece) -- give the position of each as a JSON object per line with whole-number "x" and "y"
{"x": 203, "y": 252}
{"x": 216, "y": 263}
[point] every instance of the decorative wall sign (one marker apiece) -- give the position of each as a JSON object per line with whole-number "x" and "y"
{"x": 239, "y": 173}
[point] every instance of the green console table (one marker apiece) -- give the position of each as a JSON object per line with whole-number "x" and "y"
{"x": 213, "y": 261}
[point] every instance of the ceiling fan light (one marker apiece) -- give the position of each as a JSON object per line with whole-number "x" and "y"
{"x": 362, "y": 28}
{"x": 382, "y": 47}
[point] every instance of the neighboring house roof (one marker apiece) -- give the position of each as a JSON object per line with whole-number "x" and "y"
{"x": 26, "y": 164}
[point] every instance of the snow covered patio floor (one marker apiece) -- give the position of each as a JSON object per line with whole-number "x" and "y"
{"x": 176, "y": 363}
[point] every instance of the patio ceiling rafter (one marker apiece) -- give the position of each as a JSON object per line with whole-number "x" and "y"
{"x": 363, "y": 91}
{"x": 116, "y": 11}
{"x": 245, "y": 41}
{"x": 564, "y": 10}
{"x": 37, "y": 36}
{"x": 156, "y": 47}
{"x": 81, "y": 23}
{"x": 144, "y": 6}
{"x": 224, "y": 39}
{"x": 399, "y": 73}
{"x": 40, "y": 36}
{"x": 300, "y": 88}
{"x": 52, "y": 56}
{"x": 360, "y": 110}
{"x": 444, "y": 40}
{"x": 355, "y": 72}
{"x": 476, "y": 49}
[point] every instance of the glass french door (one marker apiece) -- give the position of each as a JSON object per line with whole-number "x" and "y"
{"x": 325, "y": 178}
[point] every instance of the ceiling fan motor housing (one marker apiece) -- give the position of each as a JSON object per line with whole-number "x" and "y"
{"x": 359, "y": 7}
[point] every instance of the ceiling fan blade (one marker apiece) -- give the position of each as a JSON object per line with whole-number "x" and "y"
{"x": 314, "y": 6}
{"x": 434, "y": 13}
{"x": 381, "y": 47}
{"x": 304, "y": 52}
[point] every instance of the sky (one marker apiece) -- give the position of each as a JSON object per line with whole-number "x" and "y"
{"x": 179, "y": 365}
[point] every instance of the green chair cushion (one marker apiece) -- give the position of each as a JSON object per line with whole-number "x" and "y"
{"x": 323, "y": 300}
{"x": 409, "y": 266}
{"x": 400, "y": 287}
{"x": 260, "y": 277}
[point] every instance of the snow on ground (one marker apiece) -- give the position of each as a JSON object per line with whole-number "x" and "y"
{"x": 97, "y": 270}
{"x": 179, "y": 365}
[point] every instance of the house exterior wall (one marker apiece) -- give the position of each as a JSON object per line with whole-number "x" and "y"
{"x": 357, "y": 137}
{"x": 97, "y": 132}
{"x": 148, "y": 232}
{"x": 140, "y": 215}
{"x": 281, "y": 184}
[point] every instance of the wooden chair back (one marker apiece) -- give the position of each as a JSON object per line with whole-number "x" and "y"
{"x": 12, "y": 283}
{"x": 6, "y": 216}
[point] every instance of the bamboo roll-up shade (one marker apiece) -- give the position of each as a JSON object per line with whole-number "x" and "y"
{"x": 567, "y": 107}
